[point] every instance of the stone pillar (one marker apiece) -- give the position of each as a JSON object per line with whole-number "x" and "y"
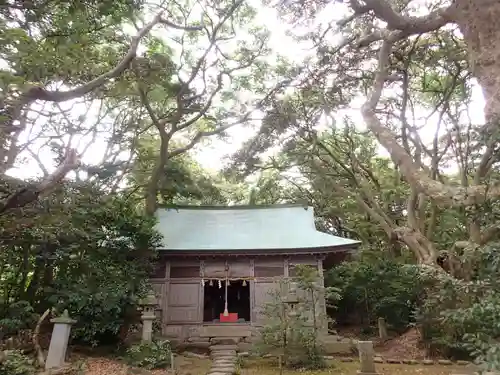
{"x": 382, "y": 329}
{"x": 59, "y": 341}
{"x": 366, "y": 358}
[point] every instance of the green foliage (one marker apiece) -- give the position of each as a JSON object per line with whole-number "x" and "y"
{"x": 294, "y": 330}
{"x": 17, "y": 316}
{"x": 149, "y": 355}
{"x": 80, "y": 250}
{"x": 14, "y": 362}
{"x": 374, "y": 287}
{"x": 461, "y": 318}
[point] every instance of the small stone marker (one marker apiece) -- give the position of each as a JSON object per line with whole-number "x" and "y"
{"x": 382, "y": 329}
{"x": 59, "y": 341}
{"x": 366, "y": 358}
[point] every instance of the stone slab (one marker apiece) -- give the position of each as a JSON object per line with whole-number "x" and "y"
{"x": 223, "y": 369}
{"x": 223, "y": 347}
{"x": 223, "y": 330}
{"x": 393, "y": 360}
{"x": 445, "y": 362}
{"x": 225, "y": 340}
{"x": 338, "y": 347}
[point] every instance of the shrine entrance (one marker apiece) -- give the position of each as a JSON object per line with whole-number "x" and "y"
{"x": 226, "y": 301}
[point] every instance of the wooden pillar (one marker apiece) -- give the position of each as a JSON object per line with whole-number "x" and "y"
{"x": 166, "y": 294}
{"x": 253, "y": 315}
{"x": 286, "y": 268}
{"x": 324, "y": 323}
{"x": 201, "y": 295}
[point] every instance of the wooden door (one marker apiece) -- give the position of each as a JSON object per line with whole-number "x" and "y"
{"x": 263, "y": 296}
{"x": 183, "y": 302}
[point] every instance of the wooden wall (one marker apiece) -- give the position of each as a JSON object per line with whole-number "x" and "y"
{"x": 178, "y": 284}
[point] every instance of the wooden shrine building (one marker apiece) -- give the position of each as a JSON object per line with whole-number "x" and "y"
{"x": 217, "y": 264}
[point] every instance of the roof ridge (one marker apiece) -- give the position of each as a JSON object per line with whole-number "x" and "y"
{"x": 234, "y": 207}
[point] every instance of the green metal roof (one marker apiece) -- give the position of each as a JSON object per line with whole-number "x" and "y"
{"x": 242, "y": 228}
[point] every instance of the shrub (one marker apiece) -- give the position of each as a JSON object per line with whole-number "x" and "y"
{"x": 294, "y": 333}
{"x": 149, "y": 355}
{"x": 462, "y": 317}
{"x": 14, "y": 362}
{"x": 17, "y": 316}
{"x": 372, "y": 288}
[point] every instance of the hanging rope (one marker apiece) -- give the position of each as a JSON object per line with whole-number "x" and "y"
{"x": 245, "y": 280}
{"x": 226, "y": 312}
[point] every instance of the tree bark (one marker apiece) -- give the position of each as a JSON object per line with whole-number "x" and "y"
{"x": 478, "y": 22}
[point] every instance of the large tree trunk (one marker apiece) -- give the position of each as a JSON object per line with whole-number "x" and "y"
{"x": 478, "y": 21}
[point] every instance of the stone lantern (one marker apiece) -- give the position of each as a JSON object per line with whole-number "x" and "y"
{"x": 291, "y": 300}
{"x": 149, "y": 304}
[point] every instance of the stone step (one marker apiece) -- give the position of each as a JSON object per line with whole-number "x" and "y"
{"x": 223, "y": 353}
{"x": 224, "y": 346}
{"x": 223, "y": 356}
{"x": 223, "y": 369}
{"x": 224, "y": 363}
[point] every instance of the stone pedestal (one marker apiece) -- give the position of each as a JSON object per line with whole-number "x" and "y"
{"x": 59, "y": 341}
{"x": 148, "y": 318}
{"x": 366, "y": 358}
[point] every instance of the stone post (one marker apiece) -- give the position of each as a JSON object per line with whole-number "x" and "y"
{"x": 366, "y": 358}
{"x": 148, "y": 316}
{"x": 382, "y": 329}
{"x": 59, "y": 341}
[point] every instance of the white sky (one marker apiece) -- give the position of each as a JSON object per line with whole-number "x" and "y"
{"x": 211, "y": 154}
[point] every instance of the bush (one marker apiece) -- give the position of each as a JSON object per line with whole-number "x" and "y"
{"x": 295, "y": 332}
{"x": 90, "y": 254}
{"x": 373, "y": 288}
{"x": 14, "y": 362}
{"x": 150, "y": 355}
{"x": 16, "y": 316}
{"x": 461, "y": 318}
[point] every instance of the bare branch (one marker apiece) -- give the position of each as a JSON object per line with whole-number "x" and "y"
{"x": 29, "y": 194}
{"x": 440, "y": 193}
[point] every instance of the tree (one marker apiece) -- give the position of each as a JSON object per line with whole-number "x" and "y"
{"x": 81, "y": 49}
{"x": 427, "y": 88}
{"x": 183, "y": 180}
{"x": 201, "y": 100}
{"x": 77, "y": 249}
{"x": 402, "y": 30}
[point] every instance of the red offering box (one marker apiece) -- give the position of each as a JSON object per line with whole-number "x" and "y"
{"x": 231, "y": 317}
